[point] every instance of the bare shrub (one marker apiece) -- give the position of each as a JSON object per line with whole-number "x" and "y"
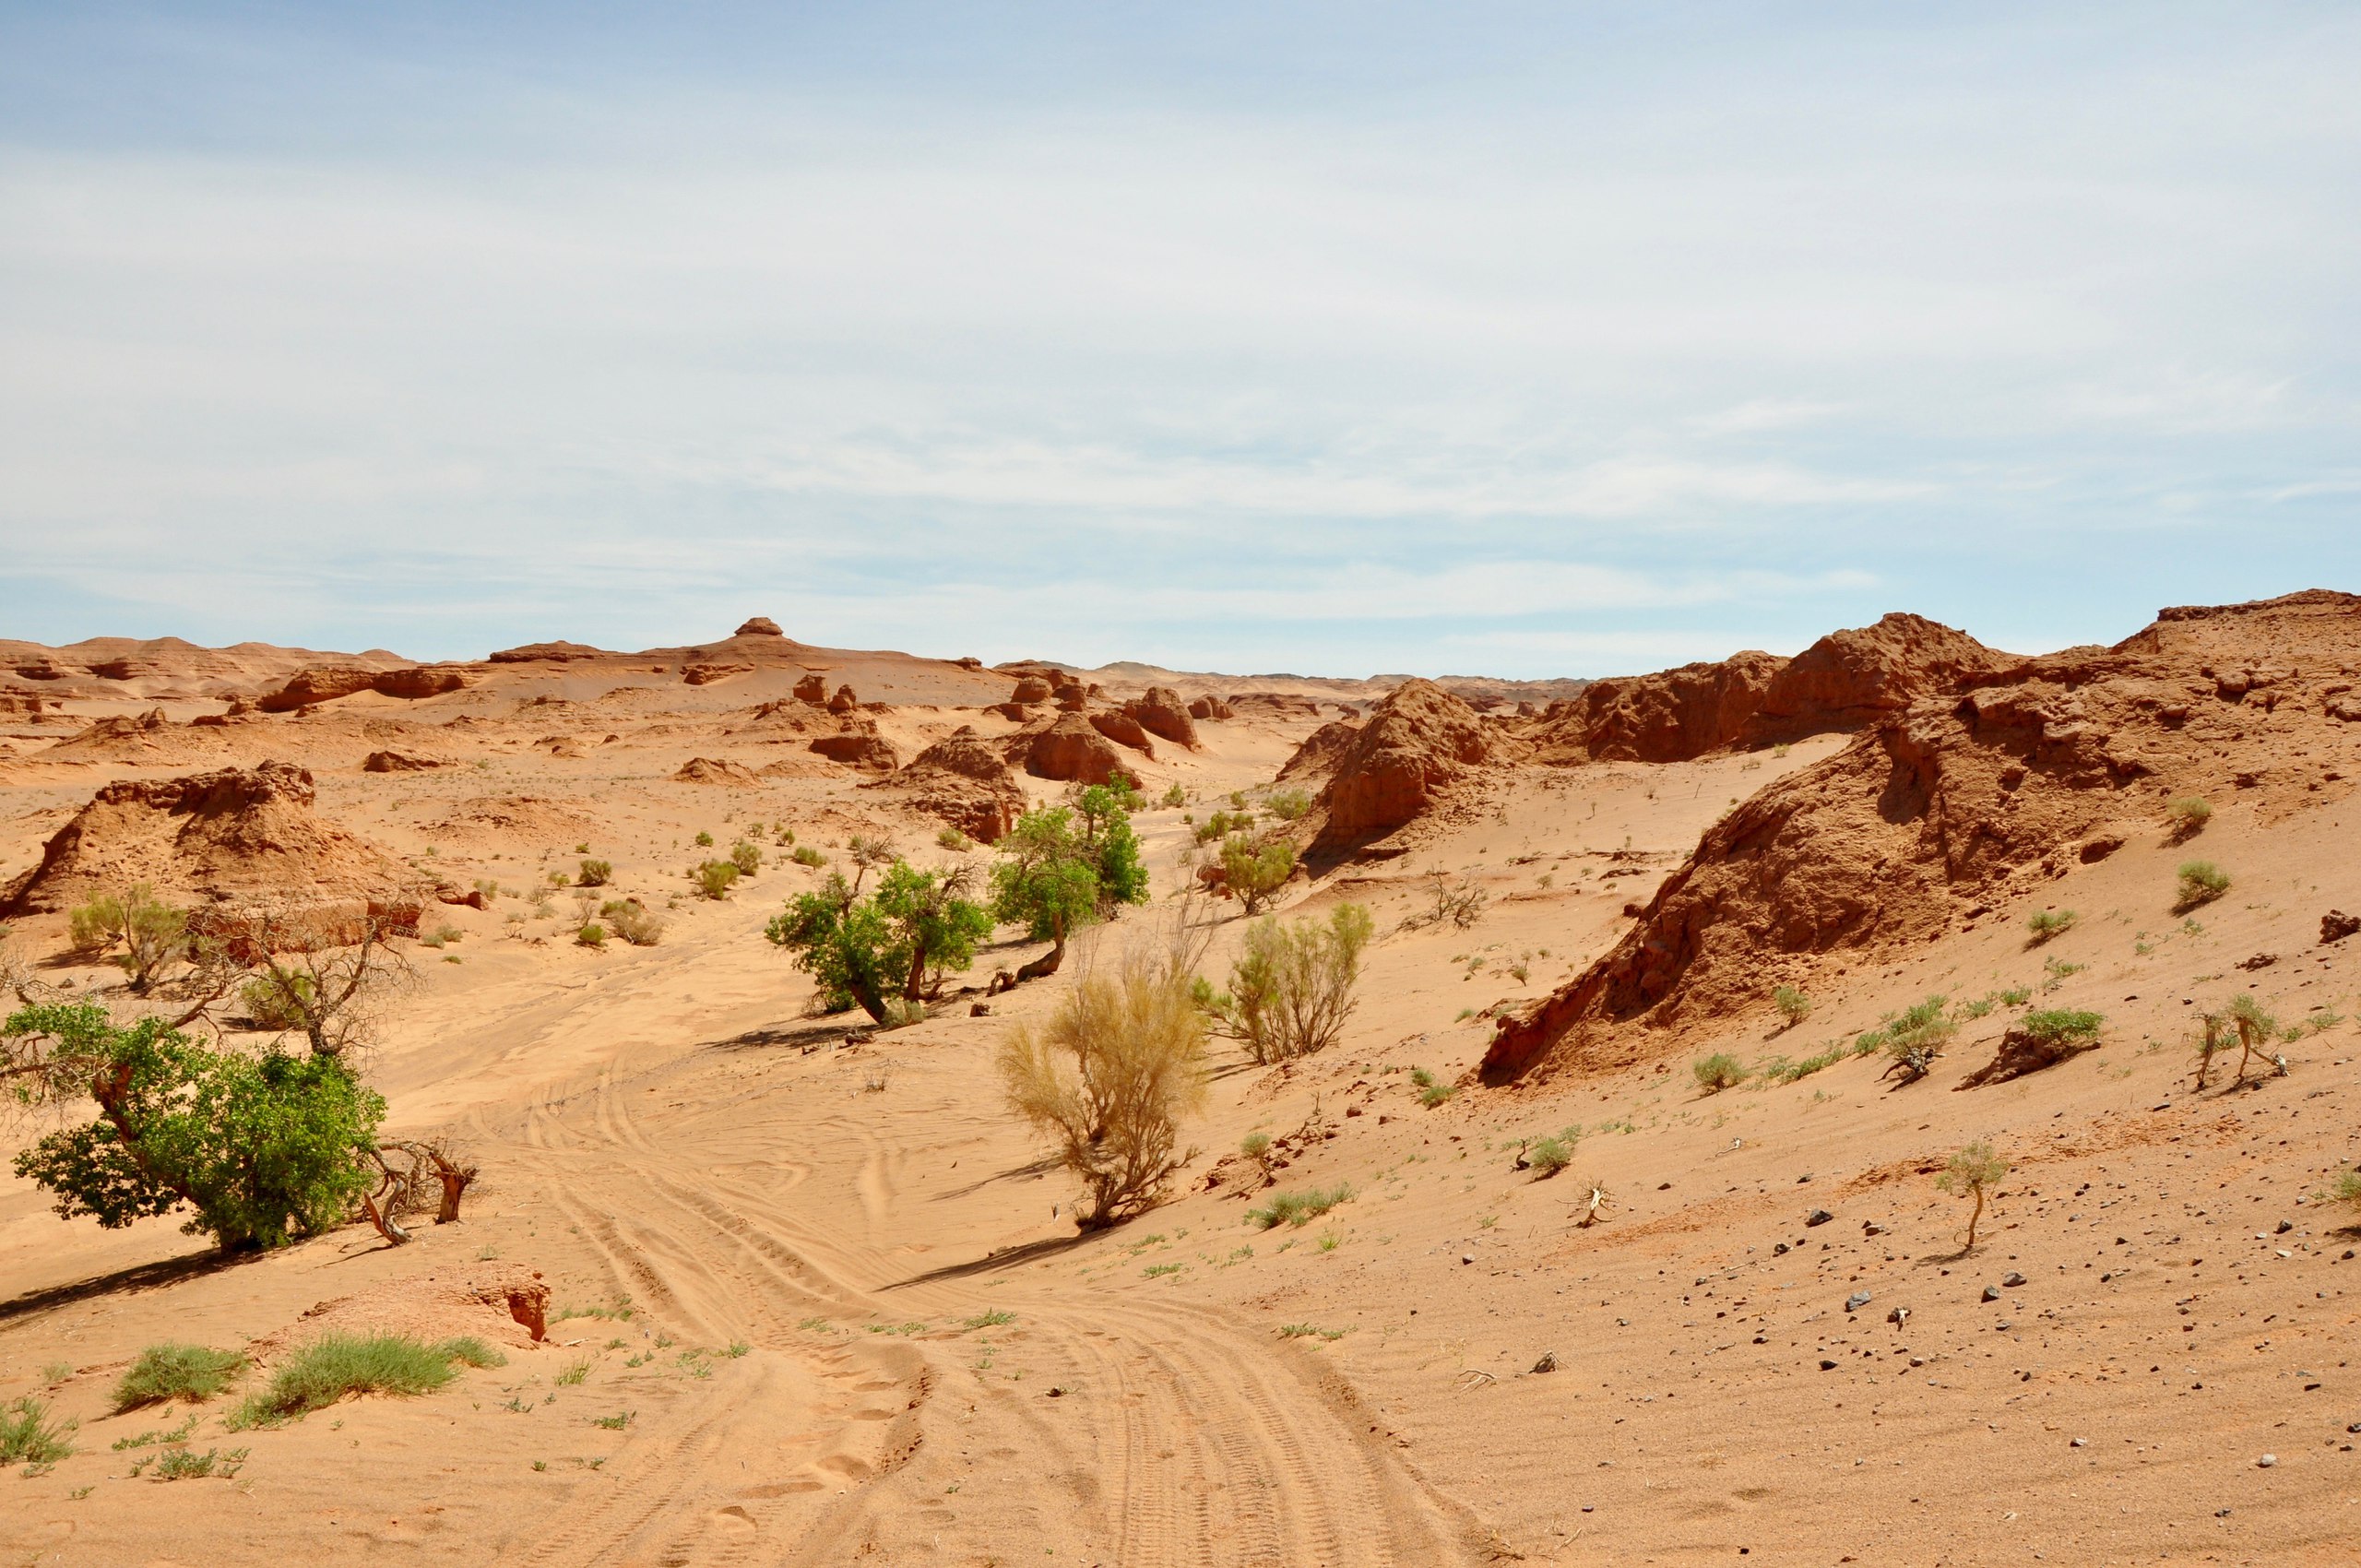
{"x": 632, "y": 921}
{"x": 1120, "y": 1061}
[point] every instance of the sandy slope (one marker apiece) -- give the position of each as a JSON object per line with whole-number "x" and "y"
{"x": 932, "y": 1367}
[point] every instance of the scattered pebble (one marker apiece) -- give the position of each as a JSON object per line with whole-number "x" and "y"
{"x": 2268, "y": 1460}
{"x": 2012, "y": 1278}
{"x": 1818, "y": 1216}
{"x": 1857, "y": 1300}
{"x": 1991, "y": 1292}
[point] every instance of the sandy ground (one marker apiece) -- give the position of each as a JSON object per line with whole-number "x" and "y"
{"x": 830, "y": 1308}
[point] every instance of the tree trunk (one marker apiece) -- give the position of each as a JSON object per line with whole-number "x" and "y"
{"x": 1047, "y": 964}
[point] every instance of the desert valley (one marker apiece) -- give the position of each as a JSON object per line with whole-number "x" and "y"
{"x": 1890, "y": 1105}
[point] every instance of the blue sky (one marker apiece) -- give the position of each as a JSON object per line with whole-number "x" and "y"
{"x": 1569, "y": 339}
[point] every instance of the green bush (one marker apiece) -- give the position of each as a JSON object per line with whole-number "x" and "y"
{"x": 191, "y": 1373}
{"x": 592, "y": 935}
{"x": 1718, "y": 1072}
{"x": 806, "y": 855}
{"x": 1297, "y": 1208}
{"x": 184, "y": 1464}
{"x": 1912, "y": 1039}
{"x": 1287, "y": 804}
{"x": 260, "y": 1148}
{"x": 1433, "y": 1091}
{"x": 2045, "y": 923}
{"x": 2347, "y": 1187}
{"x": 704, "y": 840}
{"x": 280, "y": 1003}
{"x": 28, "y": 1435}
{"x": 746, "y": 856}
{"x": 1548, "y": 1156}
{"x": 632, "y": 921}
{"x": 1793, "y": 1005}
{"x": 336, "y": 1365}
{"x": 2189, "y": 817}
{"x": 1291, "y": 990}
{"x": 1255, "y": 1146}
{"x": 2062, "y": 1028}
{"x": 1175, "y": 797}
{"x": 713, "y": 879}
{"x": 953, "y": 840}
{"x": 596, "y": 874}
{"x": 885, "y": 952}
{"x": 151, "y": 931}
{"x": 2202, "y": 882}
{"x": 1254, "y": 870}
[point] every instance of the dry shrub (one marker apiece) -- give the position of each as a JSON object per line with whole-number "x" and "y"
{"x": 1109, "y": 1076}
{"x": 1291, "y": 991}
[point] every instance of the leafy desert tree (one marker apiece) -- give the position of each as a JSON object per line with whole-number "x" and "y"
{"x": 1256, "y": 869}
{"x": 1291, "y": 990}
{"x": 1105, "y": 812}
{"x": 262, "y": 1150}
{"x": 933, "y": 921}
{"x": 151, "y": 931}
{"x": 1109, "y": 1076}
{"x": 1969, "y": 1173}
{"x": 843, "y": 941}
{"x": 1046, "y": 881}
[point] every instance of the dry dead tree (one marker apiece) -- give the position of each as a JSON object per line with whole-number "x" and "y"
{"x": 409, "y": 1171}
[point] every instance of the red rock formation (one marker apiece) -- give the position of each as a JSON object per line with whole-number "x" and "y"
{"x": 309, "y": 686}
{"x": 1419, "y": 743}
{"x": 963, "y": 780}
{"x": 1032, "y": 688}
{"x": 1857, "y": 677}
{"x": 1285, "y": 706}
{"x": 1321, "y": 750}
{"x": 706, "y": 770}
{"x": 1071, "y": 750}
{"x": 548, "y": 653}
{"x": 1949, "y": 805}
{"x": 1670, "y": 716}
{"x": 1209, "y": 706}
{"x": 844, "y": 701}
{"x": 707, "y": 674}
{"x": 861, "y": 747}
{"x": 759, "y": 626}
{"x": 398, "y": 761}
{"x": 1160, "y": 711}
{"x": 811, "y": 689}
{"x": 236, "y": 834}
{"x": 1124, "y": 731}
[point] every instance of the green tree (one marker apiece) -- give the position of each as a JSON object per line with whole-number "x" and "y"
{"x": 1256, "y": 869}
{"x": 933, "y": 918}
{"x": 843, "y": 941}
{"x": 1046, "y": 881}
{"x": 1291, "y": 990}
{"x": 1107, "y": 833}
{"x": 262, "y": 1150}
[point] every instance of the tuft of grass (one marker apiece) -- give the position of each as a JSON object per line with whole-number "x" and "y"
{"x": 1718, "y": 1072}
{"x": 29, "y": 1436}
{"x": 183, "y": 1465}
{"x": 615, "y": 1422}
{"x": 2046, "y": 923}
{"x": 1297, "y": 1208}
{"x": 806, "y": 855}
{"x": 2189, "y": 817}
{"x": 573, "y": 1374}
{"x": 2063, "y": 1026}
{"x": 1433, "y": 1091}
{"x": 176, "y": 1372}
{"x": 620, "y": 1310}
{"x": 953, "y": 840}
{"x": 1548, "y": 1156}
{"x": 2199, "y": 881}
{"x": 2347, "y": 1187}
{"x": 336, "y": 1365}
{"x": 992, "y": 1318}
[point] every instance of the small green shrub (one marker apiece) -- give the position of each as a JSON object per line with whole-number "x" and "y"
{"x": 2063, "y": 1028}
{"x": 592, "y": 935}
{"x": 1793, "y": 1005}
{"x": 705, "y": 841}
{"x": 990, "y": 1318}
{"x": 953, "y": 840}
{"x": 1255, "y": 1146}
{"x": 1287, "y": 804}
{"x": 1969, "y": 1173}
{"x": 596, "y": 874}
{"x": 1718, "y": 1072}
{"x": 806, "y": 855}
{"x": 1545, "y": 1156}
{"x": 2201, "y": 882}
{"x": 1175, "y": 797}
{"x": 191, "y": 1373}
{"x": 1297, "y": 1208}
{"x": 184, "y": 1464}
{"x": 2188, "y": 816}
{"x": 746, "y": 856}
{"x": 713, "y": 879}
{"x": 2347, "y": 1187}
{"x": 2045, "y": 923}
{"x": 28, "y": 1435}
{"x": 1433, "y": 1091}
{"x": 632, "y": 921}
{"x": 336, "y": 1365}
{"x": 280, "y": 1003}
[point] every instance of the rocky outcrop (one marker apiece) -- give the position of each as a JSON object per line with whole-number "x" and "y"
{"x": 811, "y": 689}
{"x": 243, "y": 834}
{"x": 399, "y": 762}
{"x": 860, "y": 746}
{"x": 310, "y": 686}
{"x": 1419, "y": 743}
{"x": 1072, "y": 751}
{"x": 1858, "y": 677}
{"x": 844, "y": 701}
{"x": 1945, "y": 809}
{"x": 1124, "y": 731}
{"x": 708, "y": 770}
{"x": 1288, "y": 707}
{"x": 1671, "y": 716}
{"x": 547, "y": 653}
{"x": 1160, "y": 711}
{"x": 963, "y": 780}
{"x": 1032, "y": 688}
{"x": 1321, "y": 751}
{"x": 707, "y": 674}
{"x": 1209, "y": 706}
{"x": 759, "y": 626}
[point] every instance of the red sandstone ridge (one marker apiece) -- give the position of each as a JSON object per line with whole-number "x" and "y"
{"x": 963, "y": 780}
{"x": 309, "y": 686}
{"x": 1959, "y": 798}
{"x": 1671, "y": 716}
{"x": 1420, "y": 743}
{"x": 1160, "y": 711}
{"x": 1071, "y": 750}
{"x": 234, "y": 835}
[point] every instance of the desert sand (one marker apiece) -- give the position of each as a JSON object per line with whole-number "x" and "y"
{"x": 823, "y": 1303}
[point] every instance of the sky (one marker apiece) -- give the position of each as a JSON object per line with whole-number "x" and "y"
{"x": 1523, "y": 339}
